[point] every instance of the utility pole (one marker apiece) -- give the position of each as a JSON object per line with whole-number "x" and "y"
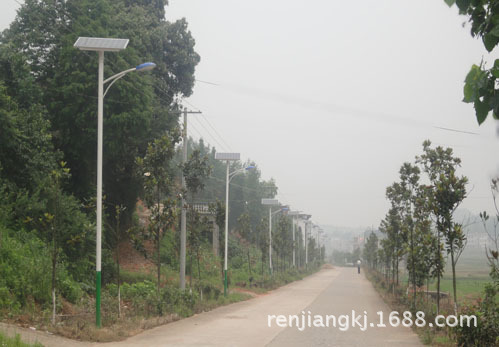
{"x": 183, "y": 218}
{"x": 306, "y": 245}
{"x": 270, "y": 239}
{"x": 294, "y": 246}
{"x": 319, "y": 243}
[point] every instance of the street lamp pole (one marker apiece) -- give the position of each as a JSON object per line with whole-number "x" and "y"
{"x": 228, "y": 157}
{"x": 226, "y": 247}
{"x": 270, "y": 203}
{"x": 293, "y": 215}
{"x": 102, "y": 45}
{"x": 100, "y": 121}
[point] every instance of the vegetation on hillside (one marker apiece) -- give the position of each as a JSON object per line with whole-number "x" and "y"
{"x": 48, "y": 169}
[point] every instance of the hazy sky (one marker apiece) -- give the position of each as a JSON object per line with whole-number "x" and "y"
{"x": 331, "y": 97}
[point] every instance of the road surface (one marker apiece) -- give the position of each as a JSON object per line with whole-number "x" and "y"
{"x": 348, "y": 291}
{"x": 329, "y": 292}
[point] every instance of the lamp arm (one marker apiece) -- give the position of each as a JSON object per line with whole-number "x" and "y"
{"x": 235, "y": 173}
{"x": 116, "y": 77}
{"x": 119, "y": 75}
{"x": 273, "y": 213}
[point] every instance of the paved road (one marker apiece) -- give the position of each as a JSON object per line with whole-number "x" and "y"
{"x": 240, "y": 324}
{"x": 349, "y": 291}
{"x": 328, "y": 292}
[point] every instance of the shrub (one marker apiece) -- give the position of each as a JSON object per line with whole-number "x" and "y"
{"x": 209, "y": 290}
{"x": 486, "y": 333}
{"x": 177, "y": 301}
{"x": 142, "y": 297}
{"x": 24, "y": 266}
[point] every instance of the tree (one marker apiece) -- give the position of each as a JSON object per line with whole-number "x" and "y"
{"x": 446, "y": 193}
{"x": 370, "y": 252}
{"x": 481, "y": 84}
{"x": 282, "y": 240}
{"x": 195, "y": 171}
{"x": 217, "y": 209}
{"x": 137, "y": 109}
{"x": 196, "y": 227}
{"x": 409, "y": 186}
{"x": 116, "y": 237}
{"x": 422, "y": 257}
{"x": 393, "y": 245}
{"x": 492, "y": 252}
{"x": 27, "y": 155}
{"x": 62, "y": 225}
{"x": 263, "y": 239}
{"x": 244, "y": 229}
{"x": 397, "y": 218}
{"x": 158, "y": 188}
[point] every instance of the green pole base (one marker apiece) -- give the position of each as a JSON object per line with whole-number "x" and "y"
{"x": 225, "y": 283}
{"x": 97, "y": 299}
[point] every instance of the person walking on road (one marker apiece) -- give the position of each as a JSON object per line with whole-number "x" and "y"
{"x": 358, "y": 266}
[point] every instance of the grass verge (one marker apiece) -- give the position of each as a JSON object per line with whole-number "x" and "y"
{"x": 6, "y": 341}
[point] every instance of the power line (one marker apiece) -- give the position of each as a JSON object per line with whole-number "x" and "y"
{"x": 215, "y": 130}
{"x": 209, "y": 133}
{"x": 206, "y": 82}
{"x": 330, "y": 108}
{"x": 211, "y": 126}
{"x": 200, "y": 136}
{"x": 457, "y": 131}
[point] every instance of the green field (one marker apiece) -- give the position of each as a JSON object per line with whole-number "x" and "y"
{"x": 472, "y": 274}
{"x": 468, "y": 286}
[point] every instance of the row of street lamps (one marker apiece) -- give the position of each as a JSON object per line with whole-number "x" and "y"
{"x": 101, "y": 45}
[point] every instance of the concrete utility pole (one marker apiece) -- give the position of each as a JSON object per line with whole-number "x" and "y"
{"x": 183, "y": 217}
{"x": 294, "y": 247}
{"x": 306, "y": 244}
{"x": 270, "y": 240}
{"x": 319, "y": 242}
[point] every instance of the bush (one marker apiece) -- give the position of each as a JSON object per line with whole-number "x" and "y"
{"x": 209, "y": 290}
{"x": 142, "y": 297}
{"x": 25, "y": 269}
{"x": 177, "y": 301}
{"x": 486, "y": 333}
{"x": 68, "y": 288}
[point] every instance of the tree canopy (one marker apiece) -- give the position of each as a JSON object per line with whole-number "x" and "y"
{"x": 481, "y": 83}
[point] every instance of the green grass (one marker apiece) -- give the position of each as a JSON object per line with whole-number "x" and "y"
{"x": 136, "y": 276}
{"x": 6, "y": 341}
{"x": 472, "y": 274}
{"x": 467, "y": 286}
